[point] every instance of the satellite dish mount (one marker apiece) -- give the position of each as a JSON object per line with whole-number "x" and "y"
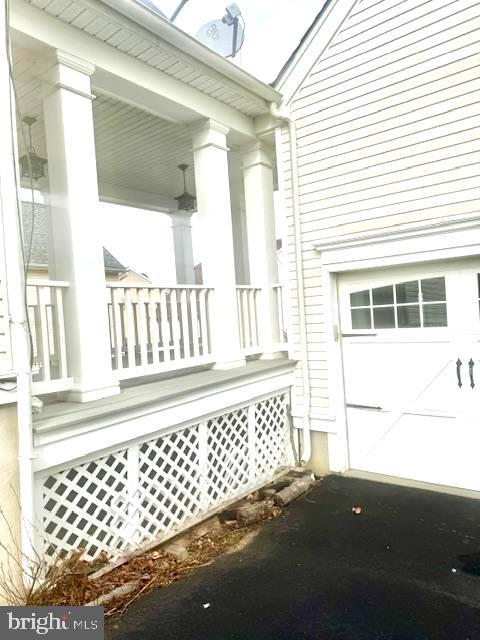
{"x": 225, "y": 36}
{"x": 231, "y": 18}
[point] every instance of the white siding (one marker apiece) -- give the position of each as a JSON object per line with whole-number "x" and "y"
{"x": 388, "y": 136}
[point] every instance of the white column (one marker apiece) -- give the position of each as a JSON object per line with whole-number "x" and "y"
{"x": 76, "y": 247}
{"x": 183, "y": 247}
{"x": 262, "y": 244}
{"x": 218, "y": 264}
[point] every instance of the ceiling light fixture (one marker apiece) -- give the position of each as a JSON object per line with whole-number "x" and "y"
{"x": 186, "y": 202}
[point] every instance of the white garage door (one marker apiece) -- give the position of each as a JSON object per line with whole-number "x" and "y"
{"x": 411, "y": 359}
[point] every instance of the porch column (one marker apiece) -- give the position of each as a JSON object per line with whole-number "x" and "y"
{"x": 218, "y": 263}
{"x": 262, "y": 244}
{"x": 183, "y": 247}
{"x": 76, "y": 248}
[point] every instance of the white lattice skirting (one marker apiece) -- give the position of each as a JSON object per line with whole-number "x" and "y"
{"x": 125, "y": 499}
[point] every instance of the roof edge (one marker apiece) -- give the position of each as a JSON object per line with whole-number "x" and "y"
{"x": 311, "y": 46}
{"x": 151, "y": 21}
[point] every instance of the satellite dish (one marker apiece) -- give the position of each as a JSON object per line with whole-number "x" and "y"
{"x": 226, "y": 35}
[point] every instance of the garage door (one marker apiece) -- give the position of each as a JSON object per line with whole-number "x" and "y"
{"x": 411, "y": 361}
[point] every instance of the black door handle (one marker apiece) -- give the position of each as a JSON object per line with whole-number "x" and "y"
{"x": 471, "y": 364}
{"x": 459, "y": 373}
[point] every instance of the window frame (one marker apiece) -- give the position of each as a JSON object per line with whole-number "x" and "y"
{"x": 395, "y": 305}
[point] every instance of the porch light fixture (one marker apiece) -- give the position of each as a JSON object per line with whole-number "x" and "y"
{"x": 31, "y": 165}
{"x": 186, "y": 202}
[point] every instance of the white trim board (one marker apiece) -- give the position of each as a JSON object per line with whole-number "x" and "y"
{"x": 437, "y": 241}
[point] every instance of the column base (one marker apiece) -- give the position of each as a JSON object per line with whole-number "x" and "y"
{"x": 82, "y": 394}
{"x": 230, "y": 364}
{"x": 272, "y": 355}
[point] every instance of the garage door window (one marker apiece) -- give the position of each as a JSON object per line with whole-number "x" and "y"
{"x": 412, "y": 304}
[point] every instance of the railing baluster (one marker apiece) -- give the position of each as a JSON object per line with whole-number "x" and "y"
{"x": 153, "y": 324}
{"x": 185, "y": 327}
{"x": 241, "y": 327}
{"x": 194, "y": 321}
{"x": 175, "y": 324}
{"x": 129, "y": 328}
{"x": 204, "y": 338}
{"x": 142, "y": 327}
{"x": 246, "y": 318}
{"x": 252, "y": 310}
{"x": 117, "y": 297}
{"x": 165, "y": 325}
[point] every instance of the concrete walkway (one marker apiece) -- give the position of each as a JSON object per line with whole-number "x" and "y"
{"x": 322, "y": 573}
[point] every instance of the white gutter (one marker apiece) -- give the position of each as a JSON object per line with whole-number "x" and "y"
{"x": 168, "y": 32}
{"x": 15, "y": 285}
{"x": 292, "y": 130}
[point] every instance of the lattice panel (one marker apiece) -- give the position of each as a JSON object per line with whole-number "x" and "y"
{"x": 119, "y": 501}
{"x": 271, "y": 436}
{"x": 169, "y": 491}
{"x": 228, "y": 456}
{"x": 79, "y": 507}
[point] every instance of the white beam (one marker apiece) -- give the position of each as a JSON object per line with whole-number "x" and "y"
{"x": 38, "y": 24}
{"x": 115, "y": 194}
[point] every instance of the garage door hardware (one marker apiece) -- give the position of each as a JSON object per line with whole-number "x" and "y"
{"x": 471, "y": 364}
{"x": 459, "y": 373}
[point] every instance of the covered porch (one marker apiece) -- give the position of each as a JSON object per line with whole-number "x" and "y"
{"x": 107, "y": 138}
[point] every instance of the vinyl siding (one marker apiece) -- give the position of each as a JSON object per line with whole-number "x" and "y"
{"x": 388, "y": 132}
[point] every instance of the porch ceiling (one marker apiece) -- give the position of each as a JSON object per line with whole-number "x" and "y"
{"x": 135, "y": 150}
{"x": 139, "y": 151}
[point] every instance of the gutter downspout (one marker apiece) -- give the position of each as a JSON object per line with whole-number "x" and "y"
{"x": 15, "y": 288}
{"x": 292, "y": 131}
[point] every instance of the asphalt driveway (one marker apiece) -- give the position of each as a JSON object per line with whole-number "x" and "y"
{"x": 320, "y": 572}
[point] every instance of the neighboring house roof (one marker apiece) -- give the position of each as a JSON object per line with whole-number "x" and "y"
{"x": 39, "y": 250}
{"x": 311, "y": 46}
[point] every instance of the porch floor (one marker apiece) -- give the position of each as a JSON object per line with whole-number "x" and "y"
{"x": 153, "y": 390}
{"x": 321, "y": 572}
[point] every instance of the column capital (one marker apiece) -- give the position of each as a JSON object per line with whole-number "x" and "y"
{"x": 256, "y": 153}
{"x": 209, "y": 133}
{"x": 70, "y": 73}
{"x": 73, "y": 62}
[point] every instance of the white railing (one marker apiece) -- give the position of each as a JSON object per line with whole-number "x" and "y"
{"x": 47, "y": 331}
{"x": 248, "y": 319}
{"x": 155, "y": 329}
{"x": 282, "y": 317}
